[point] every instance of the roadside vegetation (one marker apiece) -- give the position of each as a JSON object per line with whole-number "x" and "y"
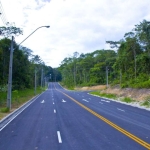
{"x": 26, "y": 68}
{"x": 146, "y": 103}
{"x": 127, "y": 62}
{"x": 18, "y": 99}
{"x": 107, "y": 95}
{"x": 127, "y": 100}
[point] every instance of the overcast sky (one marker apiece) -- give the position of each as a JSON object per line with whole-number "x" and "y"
{"x": 75, "y": 25}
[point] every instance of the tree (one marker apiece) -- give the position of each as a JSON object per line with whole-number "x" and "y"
{"x": 10, "y": 30}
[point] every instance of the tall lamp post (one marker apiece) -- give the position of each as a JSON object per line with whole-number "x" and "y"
{"x": 107, "y": 76}
{"x": 10, "y": 67}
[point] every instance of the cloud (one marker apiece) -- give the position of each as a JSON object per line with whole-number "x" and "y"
{"x": 76, "y": 25}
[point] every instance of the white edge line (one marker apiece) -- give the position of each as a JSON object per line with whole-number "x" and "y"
{"x": 129, "y": 104}
{"x": 18, "y": 114}
{"x": 59, "y": 137}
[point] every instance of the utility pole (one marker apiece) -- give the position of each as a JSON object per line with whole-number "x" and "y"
{"x": 10, "y": 68}
{"x": 107, "y": 76}
{"x": 42, "y": 78}
{"x": 35, "y": 82}
{"x": 10, "y": 76}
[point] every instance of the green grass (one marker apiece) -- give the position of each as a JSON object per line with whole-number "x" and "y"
{"x": 146, "y": 102}
{"x": 111, "y": 96}
{"x": 127, "y": 100}
{"x": 18, "y": 98}
{"x": 4, "y": 110}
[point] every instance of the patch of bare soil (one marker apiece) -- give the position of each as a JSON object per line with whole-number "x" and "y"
{"x": 136, "y": 94}
{"x": 98, "y": 87}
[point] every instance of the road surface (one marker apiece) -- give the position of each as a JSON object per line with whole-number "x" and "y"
{"x": 74, "y": 120}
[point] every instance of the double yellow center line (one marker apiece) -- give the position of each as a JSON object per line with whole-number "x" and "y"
{"x": 135, "y": 138}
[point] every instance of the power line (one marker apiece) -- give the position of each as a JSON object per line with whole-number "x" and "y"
{"x": 3, "y": 15}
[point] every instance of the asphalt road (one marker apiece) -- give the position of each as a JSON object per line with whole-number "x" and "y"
{"x": 73, "y": 120}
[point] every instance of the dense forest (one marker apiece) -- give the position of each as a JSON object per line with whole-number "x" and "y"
{"x": 25, "y": 65}
{"x": 127, "y": 64}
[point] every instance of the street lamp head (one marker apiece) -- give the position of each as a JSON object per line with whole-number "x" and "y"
{"x": 47, "y": 26}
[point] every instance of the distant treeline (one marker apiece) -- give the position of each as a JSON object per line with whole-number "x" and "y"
{"x": 128, "y": 65}
{"x": 25, "y": 64}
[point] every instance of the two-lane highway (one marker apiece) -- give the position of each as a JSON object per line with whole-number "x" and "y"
{"x": 73, "y": 120}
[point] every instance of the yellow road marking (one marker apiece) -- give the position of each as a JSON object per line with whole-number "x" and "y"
{"x": 135, "y": 138}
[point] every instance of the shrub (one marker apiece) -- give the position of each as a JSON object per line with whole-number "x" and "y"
{"x": 127, "y": 100}
{"x": 4, "y": 110}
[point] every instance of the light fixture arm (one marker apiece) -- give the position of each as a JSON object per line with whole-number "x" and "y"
{"x": 32, "y": 33}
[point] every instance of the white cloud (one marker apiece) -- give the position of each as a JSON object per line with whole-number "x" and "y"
{"x": 76, "y": 25}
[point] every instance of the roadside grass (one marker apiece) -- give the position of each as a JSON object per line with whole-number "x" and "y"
{"x": 107, "y": 95}
{"x": 18, "y": 99}
{"x": 146, "y": 103}
{"x": 127, "y": 100}
{"x": 112, "y": 96}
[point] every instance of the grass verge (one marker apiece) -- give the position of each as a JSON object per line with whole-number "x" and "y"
{"x": 18, "y": 99}
{"x": 107, "y": 95}
{"x": 146, "y": 103}
{"x": 127, "y": 100}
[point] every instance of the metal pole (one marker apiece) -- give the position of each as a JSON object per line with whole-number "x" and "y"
{"x": 10, "y": 68}
{"x": 107, "y": 76}
{"x": 35, "y": 82}
{"x": 42, "y": 78}
{"x": 10, "y": 76}
{"x": 32, "y": 33}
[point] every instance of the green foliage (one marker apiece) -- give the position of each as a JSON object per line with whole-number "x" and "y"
{"x": 10, "y": 30}
{"x": 24, "y": 66}
{"x": 18, "y": 96}
{"x": 4, "y": 110}
{"x": 88, "y": 69}
{"x": 111, "y": 96}
{"x": 146, "y": 102}
{"x": 127, "y": 100}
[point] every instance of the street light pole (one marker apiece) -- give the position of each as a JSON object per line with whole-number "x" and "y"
{"x": 107, "y": 76}
{"x": 35, "y": 81}
{"x": 10, "y": 75}
{"x": 32, "y": 33}
{"x": 42, "y": 78}
{"x": 10, "y": 67}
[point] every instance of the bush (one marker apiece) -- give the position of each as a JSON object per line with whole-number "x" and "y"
{"x": 4, "y": 110}
{"x": 127, "y": 100}
{"x": 146, "y": 102}
{"x": 112, "y": 96}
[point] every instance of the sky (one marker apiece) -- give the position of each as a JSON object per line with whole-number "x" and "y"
{"x": 81, "y": 26}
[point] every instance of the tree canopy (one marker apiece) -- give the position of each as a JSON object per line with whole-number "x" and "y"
{"x": 128, "y": 65}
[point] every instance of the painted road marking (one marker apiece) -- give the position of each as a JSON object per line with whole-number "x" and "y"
{"x": 54, "y": 111}
{"x": 121, "y": 109}
{"x": 125, "y": 132}
{"x": 28, "y": 104}
{"x": 59, "y": 137}
{"x": 63, "y": 101}
{"x": 85, "y": 100}
{"x": 42, "y": 101}
{"x": 105, "y": 101}
{"x": 100, "y": 102}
